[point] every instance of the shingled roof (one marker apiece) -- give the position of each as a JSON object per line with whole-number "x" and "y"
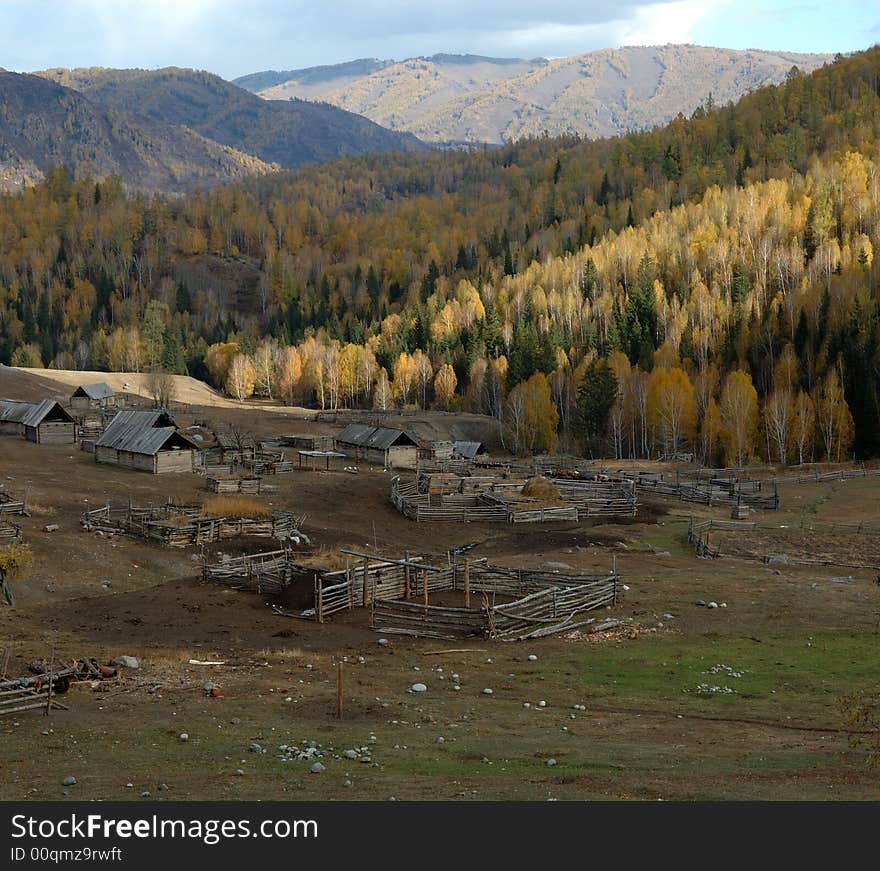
{"x": 379, "y": 437}
{"x": 30, "y": 413}
{"x": 142, "y": 432}
{"x": 101, "y": 390}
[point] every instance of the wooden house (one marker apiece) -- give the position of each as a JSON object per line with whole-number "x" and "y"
{"x": 391, "y": 448}
{"x": 148, "y": 441}
{"x": 46, "y": 422}
{"x": 99, "y": 395}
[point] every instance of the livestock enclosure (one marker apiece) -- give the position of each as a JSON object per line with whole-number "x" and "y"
{"x": 175, "y": 525}
{"x": 488, "y": 499}
{"x": 848, "y": 545}
{"x": 498, "y": 602}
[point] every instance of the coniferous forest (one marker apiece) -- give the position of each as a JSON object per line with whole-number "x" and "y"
{"x": 707, "y": 287}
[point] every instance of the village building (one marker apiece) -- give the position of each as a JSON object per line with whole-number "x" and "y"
{"x": 391, "y": 448}
{"x": 46, "y": 422}
{"x": 100, "y": 395}
{"x": 148, "y": 441}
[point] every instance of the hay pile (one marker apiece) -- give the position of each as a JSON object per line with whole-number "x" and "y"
{"x": 543, "y": 489}
{"x": 235, "y": 506}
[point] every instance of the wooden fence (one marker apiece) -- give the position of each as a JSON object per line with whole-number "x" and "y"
{"x": 185, "y": 525}
{"x": 8, "y": 505}
{"x": 9, "y": 533}
{"x": 249, "y": 485}
{"x": 580, "y": 499}
{"x": 698, "y": 536}
{"x": 547, "y": 603}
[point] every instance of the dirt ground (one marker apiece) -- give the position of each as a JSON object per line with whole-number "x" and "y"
{"x": 749, "y": 700}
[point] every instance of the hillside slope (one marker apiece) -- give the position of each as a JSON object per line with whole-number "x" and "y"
{"x": 43, "y": 124}
{"x": 287, "y": 132}
{"x": 465, "y": 98}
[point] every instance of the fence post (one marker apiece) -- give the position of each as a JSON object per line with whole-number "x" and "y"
{"x": 365, "y": 591}
{"x": 319, "y": 598}
{"x": 467, "y": 583}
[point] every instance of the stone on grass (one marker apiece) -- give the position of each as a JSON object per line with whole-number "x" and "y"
{"x": 532, "y": 657}
{"x": 69, "y": 781}
{"x": 125, "y": 661}
{"x": 184, "y": 736}
{"x": 418, "y": 688}
{"x": 551, "y": 762}
{"x": 488, "y": 691}
{"x": 253, "y": 747}
{"x": 317, "y": 768}
{"x": 350, "y": 754}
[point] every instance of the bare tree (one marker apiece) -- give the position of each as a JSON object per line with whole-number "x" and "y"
{"x": 162, "y": 387}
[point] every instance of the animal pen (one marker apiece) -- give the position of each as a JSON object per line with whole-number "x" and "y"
{"x": 185, "y": 525}
{"x": 848, "y": 545}
{"x": 9, "y": 505}
{"x": 488, "y": 499}
{"x": 497, "y": 603}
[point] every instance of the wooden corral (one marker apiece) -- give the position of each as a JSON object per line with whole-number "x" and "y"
{"x": 185, "y": 525}
{"x": 316, "y": 459}
{"x": 486, "y": 499}
{"x": 234, "y": 484}
{"x": 499, "y": 603}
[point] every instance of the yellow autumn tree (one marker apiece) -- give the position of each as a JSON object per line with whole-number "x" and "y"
{"x": 739, "y": 415}
{"x": 530, "y": 418}
{"x": 445, "y": 382}
{"x": 242, "y": 377}
{"x": 672, "y": 408}
{"x": 288, "y": 374}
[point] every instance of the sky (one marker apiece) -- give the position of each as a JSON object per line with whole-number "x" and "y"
{"x": 233, "y": 37}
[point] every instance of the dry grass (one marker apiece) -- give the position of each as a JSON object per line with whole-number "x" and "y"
{"x": 40, "y": 509}
{"x": 235, "y": 506}
{"x": 541, "y": 488}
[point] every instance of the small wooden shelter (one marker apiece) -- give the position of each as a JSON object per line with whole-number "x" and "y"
{"x": 392, "y": 448}
{"x": 98, "y": 395}
{"x": 46, "y": 422}
{"x": 148, "y": 441}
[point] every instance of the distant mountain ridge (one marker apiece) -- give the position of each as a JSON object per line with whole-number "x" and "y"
{"x": 471, "y": 99}
{"x": 169, "y": 130}
{"x": 43, "y": 124}
{"x": 288, "y": 133}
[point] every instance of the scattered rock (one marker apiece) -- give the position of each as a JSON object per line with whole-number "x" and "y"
{"x": 253, "y": 747}
{"x": 487, "y": 691}
{"x": 350, "y": 754}
{"x": 145, "y": 794}
{"x": 419, "y": 688}
{"x": 317, "y": 768}
{"x": 383, "y": 642}
{"x": 532, "y": 658}
{"x": 239, "y": 772}
{"x": 551, "y": 762}
{"x": 542, "y": 704}
{"x": 125, "y": 661}
{"x": 700, "y": 602}
{"x": 184, "y": 736}
{"x": 346, "y": 783}
{"x": 52, "y": 527}
{"x": 105, "y": 584}
{"x": 69, "y": 781}
{"x": 712, "y": 605}
{"x": 163, "y": 787}
{"x": 235, "y": 721}
{"x": 441, "y": 740}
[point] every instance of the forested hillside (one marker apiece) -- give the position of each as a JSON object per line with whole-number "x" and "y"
{"x": 709, "y": 286}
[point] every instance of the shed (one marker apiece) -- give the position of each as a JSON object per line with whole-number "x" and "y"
{"x": 146, "y": 440}
{"x": 46, "y": 422}
{"x": 467, "y": 450}
{"x": 98, "y": 395}
{"x": 393, "y": 448}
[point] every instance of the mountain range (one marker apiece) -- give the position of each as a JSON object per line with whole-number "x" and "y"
{"x": 472, "y": 99}
{"x": 168, "y": 130}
